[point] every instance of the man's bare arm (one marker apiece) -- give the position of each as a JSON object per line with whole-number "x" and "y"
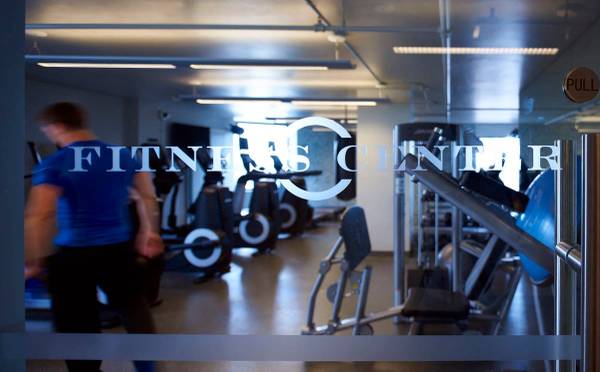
{"x": 146, "y": 204}
{"x": 147, "y": 242}
{"x": 40, "y": 213}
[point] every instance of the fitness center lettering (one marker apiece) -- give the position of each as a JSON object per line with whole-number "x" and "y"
{"x": 84, "y": 155}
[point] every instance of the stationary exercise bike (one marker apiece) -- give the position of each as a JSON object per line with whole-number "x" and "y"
{"x": 218, "y": 225}
{"x": 259, "y": 227}
{"x": 296, "y": 213}
{"x": 206, "y": 242}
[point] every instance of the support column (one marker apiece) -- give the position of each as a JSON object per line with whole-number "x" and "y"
{"x": 565, "y": 278}
{"x": 399, "y": 224}
{"x": 591, "y": 253}
{"x": 12, "y": 143}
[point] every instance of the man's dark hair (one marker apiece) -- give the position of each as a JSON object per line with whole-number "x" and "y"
{"x": 69, "y": 114}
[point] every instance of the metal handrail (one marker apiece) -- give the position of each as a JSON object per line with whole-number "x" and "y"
{"x": 570, "y": 254}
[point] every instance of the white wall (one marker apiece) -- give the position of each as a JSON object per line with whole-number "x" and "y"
{"x": 375, "y": 186}
{"x": 121, "y": 120}
{"x": 112, "y": 118}
{"x": 107, "y": 115}
{"x": 152, "y": 126}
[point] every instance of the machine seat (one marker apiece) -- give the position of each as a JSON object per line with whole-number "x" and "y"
{"x": 436, "y": 304}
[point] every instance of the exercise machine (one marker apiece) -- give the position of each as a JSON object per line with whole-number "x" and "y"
{"x": 218, "y": 224}
{"x": 296, "y": 213}
{"x": 205, "y": 243}
{"x": 424, "y": 305}
{"x": 260, "y": 226}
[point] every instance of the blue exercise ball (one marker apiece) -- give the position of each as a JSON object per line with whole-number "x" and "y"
{"x": 539, "y": 218}
{"x": 539, "y": 221}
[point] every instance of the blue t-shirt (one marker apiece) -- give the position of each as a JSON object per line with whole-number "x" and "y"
{"x": 93, "y": 208}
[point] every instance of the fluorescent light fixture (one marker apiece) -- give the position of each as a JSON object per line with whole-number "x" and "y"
{"x": 588, "y": 127}
{"x": 290, "y": 119}
{"x": 474, "y": 50}
{"x": 108, "y": 61}
{"x": 271, "y": 64}
{"x": 210, "y": 101}
{"x": 317, "y": 83}
{"x": 107, "y": 65}
{"x": 328, "y": 110}
{"x": 304, "y": 104}
{"x": 333, "y": 103}
{"x": 258, "y": 67}
{"x": 588, "y": 119}
{"x": 320, "y": 104}
{"x": 36, "y": 33}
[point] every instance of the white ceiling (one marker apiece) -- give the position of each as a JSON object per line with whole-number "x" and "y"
{"x": 485, "y": 89}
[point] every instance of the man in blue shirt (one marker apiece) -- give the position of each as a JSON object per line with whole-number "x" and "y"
{"x": 96, "y": 245}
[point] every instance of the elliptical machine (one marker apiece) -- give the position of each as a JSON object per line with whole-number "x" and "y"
{"x": 260, "y": 227}
{"x": 296, "y": 214}
{"x": 218, "y": 223}
{"x": 205, "y": 242}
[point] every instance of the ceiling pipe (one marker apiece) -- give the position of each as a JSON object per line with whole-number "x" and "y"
{"x": 319, "y": 27}
{"x": 445, "y": 35}
{"x": 349, "y": 46}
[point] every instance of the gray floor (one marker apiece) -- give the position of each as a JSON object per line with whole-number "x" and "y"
{"x": 267, "y": 295}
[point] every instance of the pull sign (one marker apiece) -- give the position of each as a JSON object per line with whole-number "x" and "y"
{"x": 581, "y": 85}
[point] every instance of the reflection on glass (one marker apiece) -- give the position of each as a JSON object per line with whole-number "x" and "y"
{"x": 264, "y": 140}
{"x": 501, "y": 153}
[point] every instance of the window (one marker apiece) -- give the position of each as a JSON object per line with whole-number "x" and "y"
{"x": 260, "y": 138}
{"x": 496, "y": 150}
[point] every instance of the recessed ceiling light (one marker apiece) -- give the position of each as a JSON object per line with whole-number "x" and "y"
{"x": 36, "y": 33}
{"x": 333, "y": 103}
{"x": 317, "y": 83}
{"x": 328, "y": 110}
{"x": 121, "y": 61}
{"x": 474, "y": 50}
{"x": 221, "y": 101}
{"x": 342, "y": 103}
{"x": 588, "y": 119}
{"x": 335, "y": 117}
{"x": 588, "y": 127}
{"x": 106, "y": 65}
{"x": 258, "y": 67}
